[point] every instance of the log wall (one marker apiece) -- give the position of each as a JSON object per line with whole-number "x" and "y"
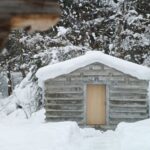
{"x": 127, "y": 98}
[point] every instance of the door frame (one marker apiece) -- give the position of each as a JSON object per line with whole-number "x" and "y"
{"x": 106, "y": 102}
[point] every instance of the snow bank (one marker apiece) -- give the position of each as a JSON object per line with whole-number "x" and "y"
{"x": 26, "y": 94}
{"x": 7, "y": 106}
{"x": 52, "y": 71}
{"x": 25, "y": 97}
{"x": 18, "y": 116}
{"x": 19, "y": 133}
{"x": 134, "y": 136}
{"x": 54, "y": 136}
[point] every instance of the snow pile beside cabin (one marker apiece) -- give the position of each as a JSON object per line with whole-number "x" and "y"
{"x": 134, "y": 136}
{"x": 32, "y": 135}
{"x": 7, "y": 106}
{"x": 66, "y": 67}
{"x": 22, "y": 97}
{"x": 35, "y": 134}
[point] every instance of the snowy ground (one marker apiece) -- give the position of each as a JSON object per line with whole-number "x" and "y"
{"x": 17, "y": 133}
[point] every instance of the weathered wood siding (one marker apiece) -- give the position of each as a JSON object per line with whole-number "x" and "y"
{"x": 127, "y": 98}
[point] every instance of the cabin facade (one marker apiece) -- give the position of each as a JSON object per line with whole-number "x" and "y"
{"x": 96, "y": 95}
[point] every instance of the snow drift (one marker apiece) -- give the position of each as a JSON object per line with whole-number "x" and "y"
{"x": 18, "y": 133}
{"x": 134, "y": 136}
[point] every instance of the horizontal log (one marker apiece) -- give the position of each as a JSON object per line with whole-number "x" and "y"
{"x": 58, "y": 119}
{"x": 64, "y": 102}
{"x": 65, "y": 99}
{"x": 64, "y": 114}
{"x": 100, "y": 78}
{"x": 89, "y": 67}
{"x": 128, "y": 110}
{"x": 63, "y": 88}
{"x": 133, "y": 79}
{"x": 63, "y": 92}
{"x": 129, "y": 99}
{"x": 55, "y": 110}
{"x": 97, "y": 73}
{"x": 128, "y": 87}
{"x": 48, "y": 86}
{"x": 87, "y": 80}
{"x": 65, "y": 107}
{"x": 71, "y": 90}
{"x": 132, "y": 116}
{"x": 97, "y": 67}
{"x": 133, "y": 83}
{"x": 63, "y": 95}
{"x": 60, "y": 83}
{"x": 128, "y": 105}
{"x": 139, "y": 82}
{"x": 128, "y": 92}
{"x": 129, "y": 95}
{"x": 129, "y": 114}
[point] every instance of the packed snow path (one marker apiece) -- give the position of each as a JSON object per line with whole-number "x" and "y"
{"x": 94, "y": 140}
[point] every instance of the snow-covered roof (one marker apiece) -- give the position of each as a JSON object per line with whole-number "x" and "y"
{"x": 66, "y": 67}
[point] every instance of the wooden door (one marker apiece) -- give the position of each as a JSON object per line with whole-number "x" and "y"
{"x": 96, "y": 108}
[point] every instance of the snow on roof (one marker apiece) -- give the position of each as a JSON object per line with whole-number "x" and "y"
{"x": 66, "y": 67}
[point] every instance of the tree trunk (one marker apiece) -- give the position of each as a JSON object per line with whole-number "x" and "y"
{"x": 9, "y": 80}
{"x": 23, "y": 73}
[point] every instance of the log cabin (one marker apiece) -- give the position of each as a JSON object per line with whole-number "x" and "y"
{"x": 95, "y": 90}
